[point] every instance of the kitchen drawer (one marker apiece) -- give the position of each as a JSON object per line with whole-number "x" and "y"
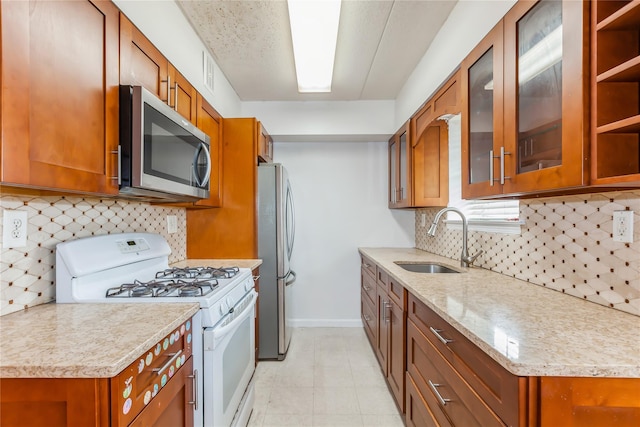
{"x": 368, "y": 285}
{"x": 368, "y": 313}
{"x": 369, "y": 266}
{"x": 443, "y": 389}
{"x": 418, "y": 412}
{"x": 494, "y": 384}
{"x": 397, "y": 293}
{"x": 383, "y": 279}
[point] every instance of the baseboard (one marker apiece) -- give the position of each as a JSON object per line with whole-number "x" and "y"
{"x": 326, "y": 323}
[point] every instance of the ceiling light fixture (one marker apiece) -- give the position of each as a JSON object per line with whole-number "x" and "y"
{"x": 314, "y": 32}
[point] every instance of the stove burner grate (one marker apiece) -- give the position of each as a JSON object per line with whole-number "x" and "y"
{"x": 163, "y": 288}
{"x": 198, "y": 273}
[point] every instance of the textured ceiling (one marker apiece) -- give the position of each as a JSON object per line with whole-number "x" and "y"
{"x": 379, "y": 45}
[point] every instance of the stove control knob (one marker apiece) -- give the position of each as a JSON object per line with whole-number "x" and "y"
{"x": 248, "y": 286}
{"x": 223, "y": 308}
{"x": 230, "y": 302}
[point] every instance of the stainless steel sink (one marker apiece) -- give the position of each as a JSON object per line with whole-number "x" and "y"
{"x": 427, "y": 267}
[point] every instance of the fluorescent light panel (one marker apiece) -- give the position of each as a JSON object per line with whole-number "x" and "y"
{"x": 314, "y": 31}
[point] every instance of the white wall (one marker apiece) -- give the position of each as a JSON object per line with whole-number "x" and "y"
{"x": 340, "y": 195}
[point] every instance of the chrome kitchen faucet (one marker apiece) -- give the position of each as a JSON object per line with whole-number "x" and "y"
{"x": 465, "y": 259}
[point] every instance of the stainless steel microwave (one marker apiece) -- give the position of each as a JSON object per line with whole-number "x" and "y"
{"x": 162, "y": 155}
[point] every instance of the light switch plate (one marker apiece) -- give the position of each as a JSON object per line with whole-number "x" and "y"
{"x": 14, "y": 229}
{"x": 623, "y": 226}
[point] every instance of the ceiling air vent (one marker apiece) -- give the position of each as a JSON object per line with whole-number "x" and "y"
{"x": 207, "y": 62}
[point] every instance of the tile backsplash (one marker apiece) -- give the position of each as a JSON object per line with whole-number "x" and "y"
{"x": 566, "y": 245}
{"x": 28, "y": 274}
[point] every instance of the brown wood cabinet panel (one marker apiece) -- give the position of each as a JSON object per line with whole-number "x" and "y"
{"x": 396, "y": 353}
{"x": 168, "y": 408}
{"x": 400, "y": 178}
{"x": 54, "y": 402}
{"x": 418, "y": 412}
{"x": 496, "y": 386}
{"x": 441, "y": 385}
{"x": 431, "y": 166}
{"x": 368, "y": 285}
{"x": 482, "y": 113}
{"x": 141, "y": 63}
{"x": 369, "y": 266}
{"x": 369, "y": 319}
{"x": 265, "y": 145}
{"x": 573, "y": 169}
{"x": 383, "y": 307}
{"x": 184, "y": 96}
{"x": 589, "y": 402}
{"x": 60, "y": 95}
{"x": 397, "y": 293}
{"x": 615, "y": 83}
{"x": 230, "y": 231}
{"x": 446, "y": 100}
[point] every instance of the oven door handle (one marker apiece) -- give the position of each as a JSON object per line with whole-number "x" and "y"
{"x": 219, "y": 333}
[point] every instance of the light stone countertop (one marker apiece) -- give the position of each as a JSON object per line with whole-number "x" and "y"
{"x": 83, "y": 340}
{"x": 529, "y": 330}
{"x": 242, "y": 263}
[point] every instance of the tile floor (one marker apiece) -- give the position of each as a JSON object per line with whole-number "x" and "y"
{"x": 329, "y": 378}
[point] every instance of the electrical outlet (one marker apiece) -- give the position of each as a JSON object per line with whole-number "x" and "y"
{"x": 172, "y": 224}
{"x": 623, "y": 226}
{"x": 423, "y": 220}
{"x": 14, "y": 229}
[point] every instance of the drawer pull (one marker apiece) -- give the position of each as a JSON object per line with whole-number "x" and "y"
{"x": 174, "y": 356}
{"x": 367, "y": 318}
{"x": 365, "y": 265}
{"x": 436, "y": 332}
{"x": 366, "y": 288}
{"x": 434, "y": 388}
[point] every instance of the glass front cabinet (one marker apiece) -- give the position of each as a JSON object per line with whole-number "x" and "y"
{"x": 524, "y": 125}
{"x": 399, "y": 168}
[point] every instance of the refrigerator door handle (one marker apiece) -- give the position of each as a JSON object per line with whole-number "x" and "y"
{"x": 291, "y": 278}
{"x": 291, "y": 226}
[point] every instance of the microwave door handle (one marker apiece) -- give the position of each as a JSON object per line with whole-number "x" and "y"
{"x": 207, "y": 174}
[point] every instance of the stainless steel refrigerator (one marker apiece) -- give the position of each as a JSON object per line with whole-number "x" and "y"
{"x": 276, "y": 233}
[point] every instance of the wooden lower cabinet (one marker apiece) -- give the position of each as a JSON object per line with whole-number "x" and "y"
{"x": 589, "y": 402}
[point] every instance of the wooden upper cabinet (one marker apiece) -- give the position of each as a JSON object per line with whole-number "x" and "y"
{"x": 400, "y": 168}
{"x": 59, "y": 72}
{"x": 265, "y": 145}
{"x": 525, "y": 123}
{"x": 615, "y": 80}
{"x": 482, "y": 117}
{"x": 141, "y": 63}
{"x": 184, "y": 96}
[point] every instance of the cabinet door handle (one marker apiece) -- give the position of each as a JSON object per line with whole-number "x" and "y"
{"x": 434, "y": 388}
{"x": 118, "y": 154}
{"x": 168, "y": 82}
{"x": 194, "y": 377}
{"x": 365, "y": 265}
{"x": 502, "y": 154}
{"x": 436, "y": 332}
{"x": 366, "y": 288}
{"x": 367, "y": 318}
{"x": 175, "y": 97}
{"x": 386, "y": 306}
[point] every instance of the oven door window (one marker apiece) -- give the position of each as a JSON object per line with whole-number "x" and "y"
{"x": 171, "y": 152}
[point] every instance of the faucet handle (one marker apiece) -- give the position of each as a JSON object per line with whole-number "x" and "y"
{"x": 471, "y": 258}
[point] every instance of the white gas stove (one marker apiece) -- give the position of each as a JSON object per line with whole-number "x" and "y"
{"x": 133, "y": 268}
